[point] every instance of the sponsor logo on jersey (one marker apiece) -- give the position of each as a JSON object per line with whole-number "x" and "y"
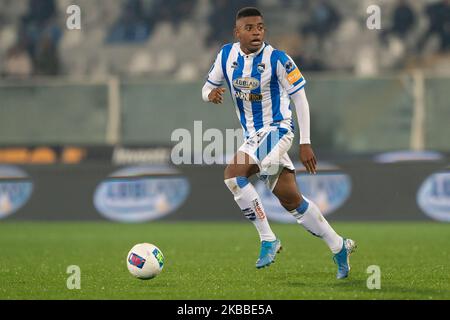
{"x": 142, "y": 193}
{"x": 246, "y": 83}
{"x": 248, "y": 96}
{"x": 234, "y": 65}
{"x": 261, "y": 67}
{"x": 294, "y": 76}
{"x": 433, "y": 196}
{"x": 289, "y": 66}
{"x": 15, "y": 189}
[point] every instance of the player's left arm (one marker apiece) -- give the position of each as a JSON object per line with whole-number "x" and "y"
{"x": 307, "y": 156}
{"x": 293, "y": 81}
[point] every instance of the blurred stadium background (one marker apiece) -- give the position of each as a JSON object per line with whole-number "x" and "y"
{"x": 78, "y": 105}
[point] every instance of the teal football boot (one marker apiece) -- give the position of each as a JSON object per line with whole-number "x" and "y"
{"x": 269, "y": 249}
{"x": 342, "y": 258}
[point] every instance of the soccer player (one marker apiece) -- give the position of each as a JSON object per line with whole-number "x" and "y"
{"x": 262, "y": 80}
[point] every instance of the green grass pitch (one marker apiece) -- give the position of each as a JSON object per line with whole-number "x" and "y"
{"x": 216, "y": 261}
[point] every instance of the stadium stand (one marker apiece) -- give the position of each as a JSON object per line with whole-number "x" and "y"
{"x": 178, "y": 39}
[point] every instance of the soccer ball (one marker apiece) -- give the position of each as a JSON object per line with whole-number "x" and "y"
{"x": 145, "y": 261}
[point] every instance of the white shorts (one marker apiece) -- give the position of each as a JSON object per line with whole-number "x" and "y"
{"x": 269, "y": 148}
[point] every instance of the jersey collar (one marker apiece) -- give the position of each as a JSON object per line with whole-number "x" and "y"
{"x": 254, "y": 54}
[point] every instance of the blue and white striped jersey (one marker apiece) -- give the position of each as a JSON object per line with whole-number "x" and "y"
{"x": 260, "y": 85}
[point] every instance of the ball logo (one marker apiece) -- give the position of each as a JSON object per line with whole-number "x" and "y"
{"x": 328, "y": 189}
{"x": 143, "y": 193}
{"x": 246, "y": 83}
{"x": 433, "y": 196}
{"x": 15, "y": 190}
{"x": 159, "y": 257}
{"x": 136, "y": 260}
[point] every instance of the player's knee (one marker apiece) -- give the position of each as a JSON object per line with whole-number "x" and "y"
{"x": 229, "y": 173}
{"x": 292, "y": 202}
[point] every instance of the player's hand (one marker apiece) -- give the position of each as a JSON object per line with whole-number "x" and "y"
{"x": 308, "y": 158}
{"x": 216, "y": 95}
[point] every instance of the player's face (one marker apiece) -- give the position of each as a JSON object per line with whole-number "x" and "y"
{"x": 250, "y": 33}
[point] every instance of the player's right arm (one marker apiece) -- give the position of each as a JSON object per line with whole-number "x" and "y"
{"x": 212, "y": 90}
{"x": 215, "y": 95}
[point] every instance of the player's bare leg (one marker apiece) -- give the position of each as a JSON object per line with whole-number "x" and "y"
{"x": 236, "y": 178}
{"x": 308, "y": 214}
{"x": 241, "y": 166}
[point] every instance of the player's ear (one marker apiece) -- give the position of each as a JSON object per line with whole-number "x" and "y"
{"x": 236, "y": 33}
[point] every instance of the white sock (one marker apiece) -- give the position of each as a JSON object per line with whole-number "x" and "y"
{"x": 310, "y": 217}
{"x": 248, "y": 200}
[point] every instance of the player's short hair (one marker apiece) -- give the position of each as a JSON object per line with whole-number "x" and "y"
{"x": 248, "y": 12}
